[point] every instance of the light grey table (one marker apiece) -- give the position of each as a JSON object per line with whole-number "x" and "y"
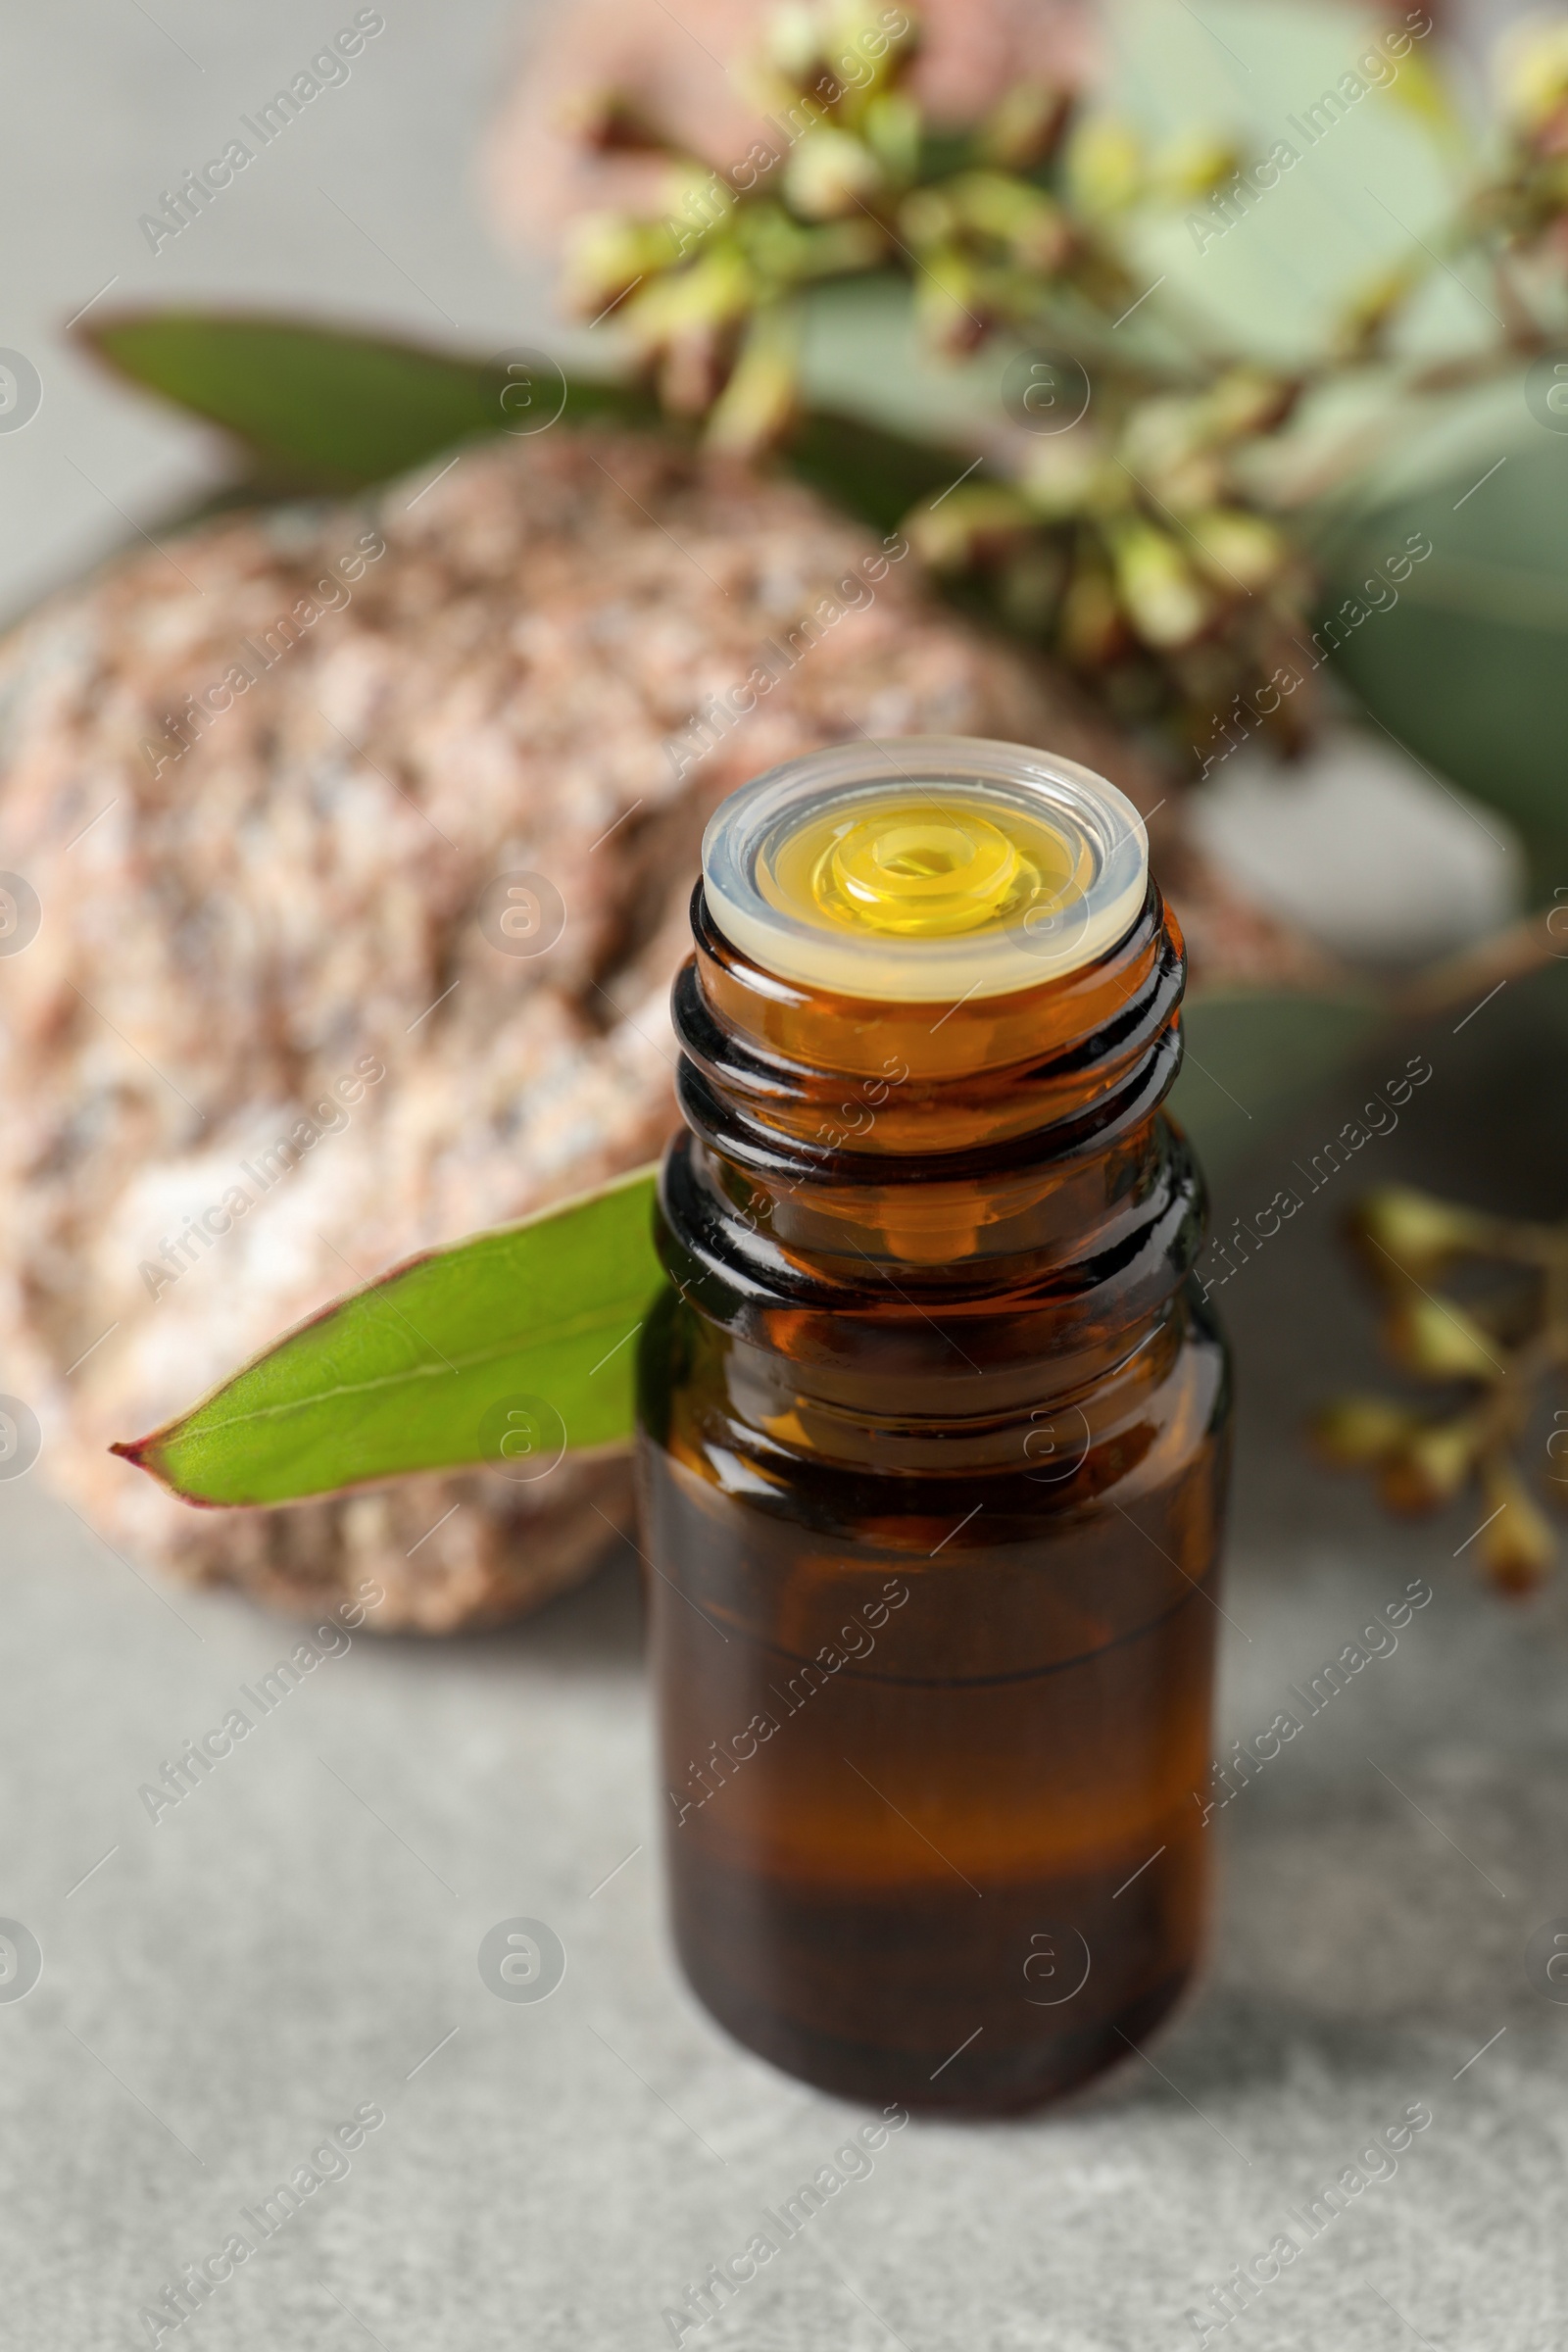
{"x": 363, "y": 212}
{"x": 297, "y": 1941}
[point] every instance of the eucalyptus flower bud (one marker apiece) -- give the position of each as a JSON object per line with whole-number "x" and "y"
{"x": 1533, "y": 75}
{"x": 1024, "y": 126}
{"x": 717, "y": 291}
{"x": 1164, "y": 437}
{"x": 786, "y": 253}
{"x": 926, "y": 217}
{"x": 1195, "y": 165}
{"x": 793, "y": 40}
{"x": 1437, "y": 1339}
{"x": 1428, "y": 1468}
{"x": 831, "y": 173}
{"x": 992, "y": 203}
{"x": 1105, "y": 170}
{"x": 1244, "y": 401}
{"x": 1420, "y": 1233}
{"x": 609, "y": 252}
{"x": 758, "y": 406}
{"x": 891, "y": 127}
{"x": 1238, "y": 549}
{"x": 853, "y": 20}
{"x": 1372, "y": 310}
{"x": 697, "y": 201}
{"x": 1163, "y": 599}
{"x": 1518, "y": 1546}
{"x": 1355, "y": 1431}
{"x": 1064, "y": 475}
{"x": 979, "y": 521}
{"x": 948, "y": 301}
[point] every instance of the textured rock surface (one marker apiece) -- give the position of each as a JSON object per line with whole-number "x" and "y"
{"x": 237, "y": 935}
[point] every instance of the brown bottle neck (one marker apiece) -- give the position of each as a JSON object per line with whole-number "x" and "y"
{"x": 999, "y": 1159}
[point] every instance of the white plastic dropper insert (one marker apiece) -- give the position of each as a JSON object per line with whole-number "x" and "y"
{"x": 1096, "y": 835}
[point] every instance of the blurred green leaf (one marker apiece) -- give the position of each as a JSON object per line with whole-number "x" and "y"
{"x": 869, "y": 471}
{"x": 325, "y": 408}
{"x": 864, "y": 356}
{"x": 1251, "y": 1056}
{"x": 1470, "y": 669}
{"x": 1361, "y": 192}
{"x": 419, "y": 1370}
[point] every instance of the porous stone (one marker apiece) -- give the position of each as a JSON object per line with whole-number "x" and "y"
{"x": 259, "y": 781}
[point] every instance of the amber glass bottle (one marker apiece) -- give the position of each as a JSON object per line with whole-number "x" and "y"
{"x": 934, "y": 1433}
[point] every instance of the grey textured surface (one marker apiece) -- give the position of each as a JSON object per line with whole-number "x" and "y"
{"x": 301, "y": 1933}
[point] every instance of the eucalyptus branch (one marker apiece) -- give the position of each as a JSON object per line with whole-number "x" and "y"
{"x": 1491, "y": 1362}
{"x": 1161, "y": 546}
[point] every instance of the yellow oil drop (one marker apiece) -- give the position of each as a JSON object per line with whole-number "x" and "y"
{"x": 930, "y": 875}
{"x": 910, "y": 865}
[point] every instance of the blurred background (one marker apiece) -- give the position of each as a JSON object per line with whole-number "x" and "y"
{"x": 207, "y": 403}
{"x": 400, "y": 150}
{"x": 151, "y": 93}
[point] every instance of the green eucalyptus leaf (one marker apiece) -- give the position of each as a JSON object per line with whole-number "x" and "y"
{"x": 869, "y": 470}
{"x": 864, "y": 355}
{"x": 505, "y": 1350}
{"x": 1252, "y": 1057}
{"x": 325, "y": 408}
{"x": 1361, "y": 183}
{"x": 1470, "y": 669}
{"x": 322, "y": 409}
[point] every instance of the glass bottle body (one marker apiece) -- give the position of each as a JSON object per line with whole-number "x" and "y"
{"x": 934, "y": 1449}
